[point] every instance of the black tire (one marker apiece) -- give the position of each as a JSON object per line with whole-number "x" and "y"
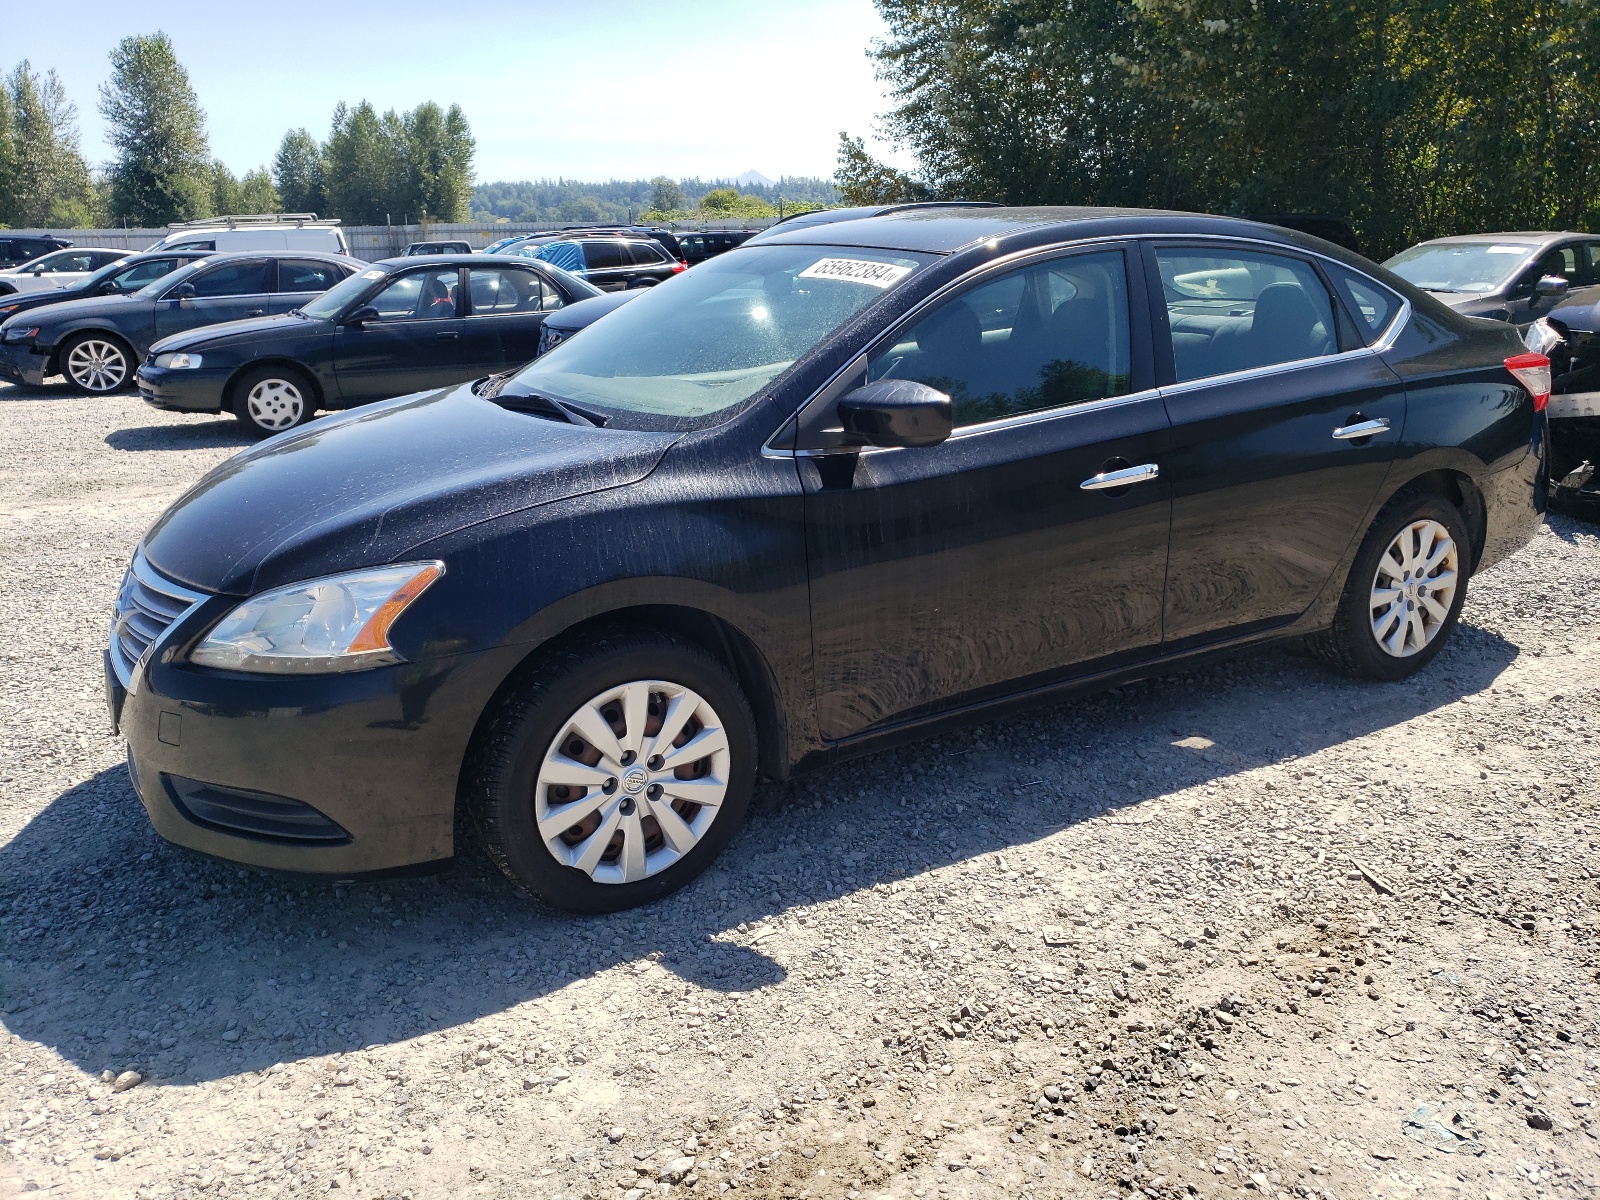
{"x": 503, "y": 764}
{"x": 97, "y": 363}
{"x": 288, "y": 399}
{"x": 1350, "y": 644}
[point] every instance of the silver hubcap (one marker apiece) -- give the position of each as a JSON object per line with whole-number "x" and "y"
{"x": 633, "y": 781}
{"x": 97, "y": 366}
{"x": 1414, "y": 587}
{"x": 275, "y": 404}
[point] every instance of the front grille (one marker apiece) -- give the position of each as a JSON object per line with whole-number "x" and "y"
{"x": 253, "y": 814}
{"x": 146, "y": 606}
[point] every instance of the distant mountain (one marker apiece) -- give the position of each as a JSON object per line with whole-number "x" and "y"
{"x": 622, "y": 200}
{"x": 755, "y": 179}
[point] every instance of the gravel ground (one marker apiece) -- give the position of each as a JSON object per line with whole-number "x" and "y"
{"x": 1246, "y": 929}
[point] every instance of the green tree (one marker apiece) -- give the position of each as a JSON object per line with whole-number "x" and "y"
{"x": 438, "y": 154}
{"x": 256, "y": 193}
{"x": 365, "y": 166}
{"x": 862, "y": 179}
{"x": 297, "y": 170}
{"x": 46, "y": 178}
{"x": 162, "y": 170}
{"x": 224, "y": 191}
{"x": 666, "y": 195}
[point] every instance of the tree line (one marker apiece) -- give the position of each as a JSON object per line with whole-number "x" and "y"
{"x": 406, "y": 166}
{"x": 1411, "y": 118}
{"x": 619, "y": 201}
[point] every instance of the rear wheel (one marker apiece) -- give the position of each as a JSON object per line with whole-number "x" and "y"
{"x": 272, "y": 399}
{"x": 616, "y": 774}
{"x": 96, "y": 363}
{"x": 1405, "y": 591}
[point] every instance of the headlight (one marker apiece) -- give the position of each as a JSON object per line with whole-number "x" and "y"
{"x": 178, "y": 362}
{"x": 22, "y": 333}
{"x": 340, "y": 623}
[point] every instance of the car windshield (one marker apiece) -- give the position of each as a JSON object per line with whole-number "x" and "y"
{"x": 334, "y": 301}
{"x": 713, "y": 337}
{"x": 1461, "y": 266}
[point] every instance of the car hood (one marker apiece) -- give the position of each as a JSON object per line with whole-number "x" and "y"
{"x": 71, "y": 310}
{"x": 1579, "y": 309}
{"x": 211, "y": 335}
{"x": 364, "y": 487}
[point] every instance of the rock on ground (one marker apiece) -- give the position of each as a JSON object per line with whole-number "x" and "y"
{"x": 1253, "y": 929}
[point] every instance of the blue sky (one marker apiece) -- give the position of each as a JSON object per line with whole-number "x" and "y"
{"x": 623, "y": 89}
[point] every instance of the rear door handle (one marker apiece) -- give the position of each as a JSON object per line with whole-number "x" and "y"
{"x": 448, "y": 335}
{"x": 1362, "y": 429}
{"x": 1123, "y": 478}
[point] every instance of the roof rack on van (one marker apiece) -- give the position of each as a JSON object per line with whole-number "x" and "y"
{"x": 296, "y": 219}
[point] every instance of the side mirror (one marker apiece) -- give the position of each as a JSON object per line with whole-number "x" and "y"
{"x": 183, "y": 293}
{"x": 896, "y": 412}
{"x": 362, "y": 315}
{"x": 1552, "y": 287}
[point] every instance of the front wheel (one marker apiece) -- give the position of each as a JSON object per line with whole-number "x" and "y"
{"x": 270, "y": 400}
{"x": 96, "y": 363}
{"x": 616, "y": 774}
{"x": 1405, "y": 591}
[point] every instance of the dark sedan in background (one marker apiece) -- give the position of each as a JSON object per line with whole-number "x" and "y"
{"x": 849, "y": 486}
{"x": 401, "y": 325}
{"x": 121, "y": 278}
{"x": 97, "y": 342}
{"x": 1516, "y": 277}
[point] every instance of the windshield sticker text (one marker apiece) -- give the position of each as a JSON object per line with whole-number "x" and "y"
{"x": 857, "y": 270}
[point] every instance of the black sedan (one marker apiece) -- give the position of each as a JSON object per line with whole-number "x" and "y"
{"x": 401, "y": 325}
{"x": 841, "y": 488}
{"x": 121, "y": 278}
{"x": 97, "y": 342}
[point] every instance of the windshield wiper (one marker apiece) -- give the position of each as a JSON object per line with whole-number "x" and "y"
{"x": 534, "y": 403}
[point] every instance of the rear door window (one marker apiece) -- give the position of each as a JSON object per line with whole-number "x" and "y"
{"x": 233, "y": 279}
{"x": 647, "y": 254}
{"x": 307, "y": 275}
{"x": 1236, "y": 311}
{"x": 1372, "y": 306}
{"x": 503, "y": 290}
{"x": 602, "y": 256}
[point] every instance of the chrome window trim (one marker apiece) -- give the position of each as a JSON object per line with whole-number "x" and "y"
{"x": 1386, "y": 341}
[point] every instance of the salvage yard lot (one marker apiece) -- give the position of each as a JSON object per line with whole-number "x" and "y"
{"x": 1241, "y": 929}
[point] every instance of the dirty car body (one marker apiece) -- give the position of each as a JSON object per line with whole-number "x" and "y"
{"x": 858, "y": 593}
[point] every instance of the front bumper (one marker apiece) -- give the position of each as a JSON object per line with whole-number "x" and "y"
{"x": 21, "y": 362}
{"x": 335, "y": 775}
{"x": 181, "y": 391}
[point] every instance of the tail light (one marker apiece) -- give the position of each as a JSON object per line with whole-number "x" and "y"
{"x": 680, "y": 265}
{"x": 1532, "y": 372}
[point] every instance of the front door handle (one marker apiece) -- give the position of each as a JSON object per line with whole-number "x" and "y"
{"x": 1362, "y": 429}
{"x": 256, "y": 312}
{"x": 1107, "y": 480}
{"x": 448, "y": 335}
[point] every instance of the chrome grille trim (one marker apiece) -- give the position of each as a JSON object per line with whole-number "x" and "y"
{"x": 147, "y": 606}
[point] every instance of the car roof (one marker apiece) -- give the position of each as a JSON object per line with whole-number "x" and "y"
{"x": 450, "y": 260}
{"x": 232, "y": 255}
{"x": 947, "y": 230}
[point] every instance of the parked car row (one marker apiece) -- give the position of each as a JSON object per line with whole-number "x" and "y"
{"x": 850, "y": 483}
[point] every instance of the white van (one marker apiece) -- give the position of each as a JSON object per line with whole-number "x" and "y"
{"x": 264, "y": 231}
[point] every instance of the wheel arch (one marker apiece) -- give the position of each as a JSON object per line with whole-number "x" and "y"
{"x": 72, "y": 335}
{"x": 1460, "y": 490}
{"x": 231, "y": 387}
{"x": 719, "y": 637}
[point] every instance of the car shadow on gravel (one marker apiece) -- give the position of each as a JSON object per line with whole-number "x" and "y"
{"x": 121, "y": 951}
{"x": 58, "y": 390}
{"x": 196, "y": 436}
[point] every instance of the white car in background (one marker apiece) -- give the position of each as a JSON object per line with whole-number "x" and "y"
{"x": 58, "y": 269}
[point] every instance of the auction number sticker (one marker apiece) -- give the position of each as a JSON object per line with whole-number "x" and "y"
{"x": 857, "y": 270}
{"x": 1508, "y": 249}
{"x": 373, "y": 274}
